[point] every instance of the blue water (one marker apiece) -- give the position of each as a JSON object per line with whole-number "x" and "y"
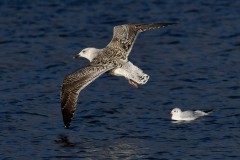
{"x": 192, "y": 65}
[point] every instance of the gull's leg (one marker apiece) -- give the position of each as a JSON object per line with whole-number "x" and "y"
{"x": 134, "y": 84}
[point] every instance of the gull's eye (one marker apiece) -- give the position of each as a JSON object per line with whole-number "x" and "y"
{"x": 83, "y": 51}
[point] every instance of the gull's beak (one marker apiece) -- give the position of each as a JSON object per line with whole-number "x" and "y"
{"x": 76, "y": 56}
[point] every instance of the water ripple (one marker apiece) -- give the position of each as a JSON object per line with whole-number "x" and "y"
{"x": 192, "y": 65}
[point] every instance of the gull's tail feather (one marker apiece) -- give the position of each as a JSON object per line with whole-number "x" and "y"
{"x": 208, "y": 111}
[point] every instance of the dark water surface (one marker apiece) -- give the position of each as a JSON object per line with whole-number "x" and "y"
{"x": 192, "y": 65}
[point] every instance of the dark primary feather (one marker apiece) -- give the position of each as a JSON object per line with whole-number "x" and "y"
{"x": 144, "y": 27}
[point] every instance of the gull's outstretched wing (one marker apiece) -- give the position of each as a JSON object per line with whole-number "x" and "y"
{"x": 72, "y": 86}
{"x": 125, "y": 35}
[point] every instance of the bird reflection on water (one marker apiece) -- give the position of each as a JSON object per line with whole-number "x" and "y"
{"x": 114, "y": 151}
{"x": 64, "y": 141}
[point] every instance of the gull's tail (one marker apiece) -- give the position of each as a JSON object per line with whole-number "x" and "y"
{"x": 204, "y": 112}
{"x": 208, "y": 111}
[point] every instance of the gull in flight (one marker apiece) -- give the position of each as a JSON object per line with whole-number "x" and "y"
{"x": 179, "y": 115}
{"x": 112, "y": 59}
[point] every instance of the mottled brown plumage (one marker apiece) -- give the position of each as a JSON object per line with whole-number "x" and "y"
{"x": 112, "y": 58}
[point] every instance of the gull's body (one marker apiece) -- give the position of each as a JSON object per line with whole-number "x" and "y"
{"x": 179, "y": 115}
{"x": 112, "y": 59}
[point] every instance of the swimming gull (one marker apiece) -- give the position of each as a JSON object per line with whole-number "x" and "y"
{"x": 112, "y": 59}
{"x": 179, "y": 115}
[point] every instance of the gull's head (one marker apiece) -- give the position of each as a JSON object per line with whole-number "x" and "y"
{"x": 88, "y": 53}
{"x": 176, "y": 111}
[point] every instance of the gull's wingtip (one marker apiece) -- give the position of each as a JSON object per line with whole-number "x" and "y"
{"x": 161, "y": 23}
{"x": 67, "y": 123}
{"x": 67, "y": 117}
{"x": 169, "y": 23}
{"x": 67, "y": 126}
